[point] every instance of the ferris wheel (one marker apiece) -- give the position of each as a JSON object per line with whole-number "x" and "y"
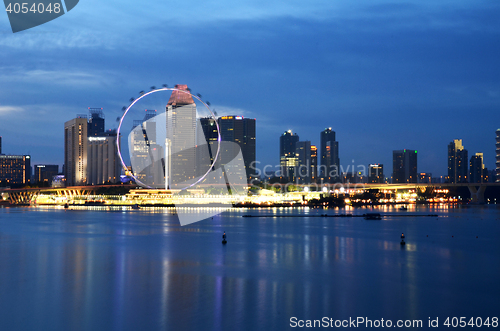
{"x": 178, "y": 128}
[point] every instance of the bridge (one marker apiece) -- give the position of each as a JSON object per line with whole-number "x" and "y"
{"x": 25, "y": 196}
{"x": 476, "y": 190}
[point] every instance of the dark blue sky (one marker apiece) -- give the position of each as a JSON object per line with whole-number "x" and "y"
{"x": 384, "y": 75}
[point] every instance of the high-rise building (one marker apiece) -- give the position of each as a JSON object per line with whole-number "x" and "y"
{"x": 96, "y": 122}
{"x": 181, "y": 137}
{"x": 147, "y": 153}
{"x": 241, "y": 131}
{"x": 102, "y": 159}
{"x": 15, "y": 169}
{"x": 75, "y": 151}
{"x": 477, "y": 172}
{"x": 330, "y": 162}
{"x": 303, "y": 155}
{"x": 498, "y": 156}
{"x": 287, "y": 143}
{"x": 457, "y": 162}
{"x": 375, "y": 173}
{"x": 404, "y": 166}
{"x": 206, "y": 135}
{"x": 288, "y": 158}
{"x": 0, "y": 145}
{"x": 314, "y": 164}
{"x": 45, "y": 172}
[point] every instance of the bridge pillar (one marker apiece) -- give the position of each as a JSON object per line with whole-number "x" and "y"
{"x": 477, "y": 194}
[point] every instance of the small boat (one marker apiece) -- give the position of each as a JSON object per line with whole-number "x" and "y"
{"x": 136, "y": 206}
{"x": 403, "y": 208}
{"x": 373, "y": 216}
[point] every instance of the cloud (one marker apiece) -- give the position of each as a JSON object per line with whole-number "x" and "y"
{"x": 7, "y": 110}
{"x": 65, "y": 77}
{"x": 228, "y": 111}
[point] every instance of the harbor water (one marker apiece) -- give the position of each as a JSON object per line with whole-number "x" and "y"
{"x": 121, "y": 269}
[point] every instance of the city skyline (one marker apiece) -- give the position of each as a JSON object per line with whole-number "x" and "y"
{"x": 384, "y": 76}
{"x": 96, "y": 115}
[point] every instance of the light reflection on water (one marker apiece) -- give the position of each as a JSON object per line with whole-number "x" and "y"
{"x": 135, "y": 270}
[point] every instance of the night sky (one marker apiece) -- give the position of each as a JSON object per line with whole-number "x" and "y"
{"x": 384, "y": 75}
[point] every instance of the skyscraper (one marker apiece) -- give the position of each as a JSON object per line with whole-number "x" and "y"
{"x": 330, "y": 162}
{"x": 206, "y": 135}
{"x": 498, "y": 156}
{"x": 314, "y": 164}
{"x": 90, "y": 153}
{"x": 241, "y": 131}
{"x": 457, "y": 162}
{"x": 477, "y": 172}
{"x": 303, "y": 155}
{"x": 96, "y": 122}
{"x": 376, "y": 173}
{"x": 181, "y": 137}
{"x": 45, "y": 172}
{"x": 287, "y": 143}
{"x": 75, "y": 151}
{"x": 288, "y": 159}
{"x": 147, "y": 153}
{"x": 15, "y": 169}
{"x": 102, "y": 159}
{"x": 404, "y": 166}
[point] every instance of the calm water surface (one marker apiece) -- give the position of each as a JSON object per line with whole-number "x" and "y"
{"x": 139, "y": 270}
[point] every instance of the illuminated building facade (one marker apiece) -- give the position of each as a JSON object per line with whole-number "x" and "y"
{"x": 206, "y": 135}
{"x": 376, "y": 173}
{"x": 181, "y": 137}
{"x": 457, "y": 162}
{"x": 45, "y": 172}
{"x": 102, "y": 159}
{"x": 75, "y": 151}
{"x": 330, "y": 161}
{"x": 96, "y": 122}
{"x": 147, "y": 165}
{"x": 477, "y": 172}
{"x": 314, "y": 164}
{"x": 303, "y": 154}
{"x": 241, "y": 131}
{"x": 404, "y": 166}
{"x": 15, "y": 169}
{"x": 498, "y": 156}
{"x": 288, "y": 158}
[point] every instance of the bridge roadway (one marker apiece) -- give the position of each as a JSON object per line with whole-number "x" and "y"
{"x": 28, "y": 195}
{"x": 476, "y": 189}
